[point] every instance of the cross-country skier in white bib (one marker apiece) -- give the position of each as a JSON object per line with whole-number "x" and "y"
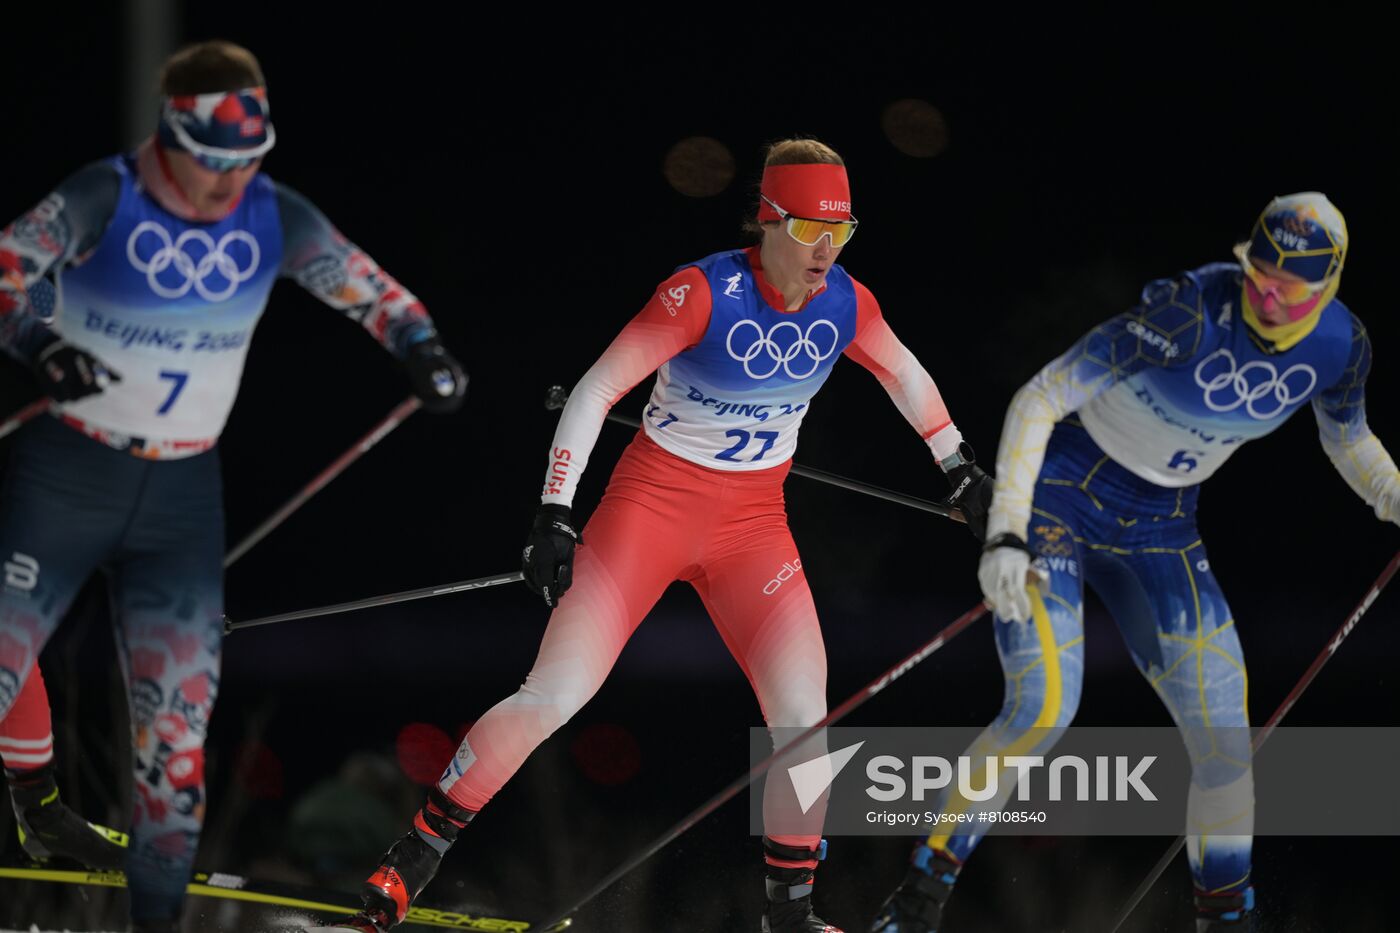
{"x": 163, "y": 260}
{"x": 1102, "y": 456}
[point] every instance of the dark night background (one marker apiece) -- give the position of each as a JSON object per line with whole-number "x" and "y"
{"x": 510, "y": 173}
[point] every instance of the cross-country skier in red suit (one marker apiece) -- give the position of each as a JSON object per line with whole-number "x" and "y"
{"x": 740, "y": 341}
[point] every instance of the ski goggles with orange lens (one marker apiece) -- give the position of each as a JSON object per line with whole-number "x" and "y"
{"x": 1288, "y": 291}
{"x": 809, "y": 231}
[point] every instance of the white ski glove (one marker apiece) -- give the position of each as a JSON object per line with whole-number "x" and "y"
{"x": 1005, "y": 575}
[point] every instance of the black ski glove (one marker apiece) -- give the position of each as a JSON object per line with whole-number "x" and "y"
{"x": 548, "y": 560}
{"x": 972, "y": 489}
{"x": 67, "y": 373}
{"x": 437, "y": 378}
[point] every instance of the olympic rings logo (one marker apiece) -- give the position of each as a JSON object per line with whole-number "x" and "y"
{"x": 803, "y": 345}
{"x": 195, "y": 272}
{"x": 1286, "y": 388}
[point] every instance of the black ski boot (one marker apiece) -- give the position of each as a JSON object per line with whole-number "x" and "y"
{"x": 916, "y": 906}
{"x": 47, "y": 828}
{"x": 408, "y": 866}
{"x": 1225, "y": 913}
{"x": 789, "y": 908}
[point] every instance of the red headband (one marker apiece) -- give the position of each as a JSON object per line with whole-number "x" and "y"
{"x": 818, "y": 191}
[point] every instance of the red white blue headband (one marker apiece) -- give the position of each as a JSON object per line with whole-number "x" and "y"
{"x": 228, "y": 125}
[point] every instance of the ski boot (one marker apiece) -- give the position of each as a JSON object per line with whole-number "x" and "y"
{"x": 408, "y": 866}
{"x": 916, "y": 906}
{"x": 1225, "y": 913}
{"x": 789, "y": 907}
{"x": 48, "y": 828}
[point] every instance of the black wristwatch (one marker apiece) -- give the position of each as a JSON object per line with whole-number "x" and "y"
{"x": 1007, "y": 539}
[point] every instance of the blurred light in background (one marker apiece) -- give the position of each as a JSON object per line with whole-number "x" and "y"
{"x": 423, "y": 751}
{"x": 607, "y": 754}
{"x": 699, "y": 166}
{"x": 259, "y": 771}
{"x": 915, "y": 127}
